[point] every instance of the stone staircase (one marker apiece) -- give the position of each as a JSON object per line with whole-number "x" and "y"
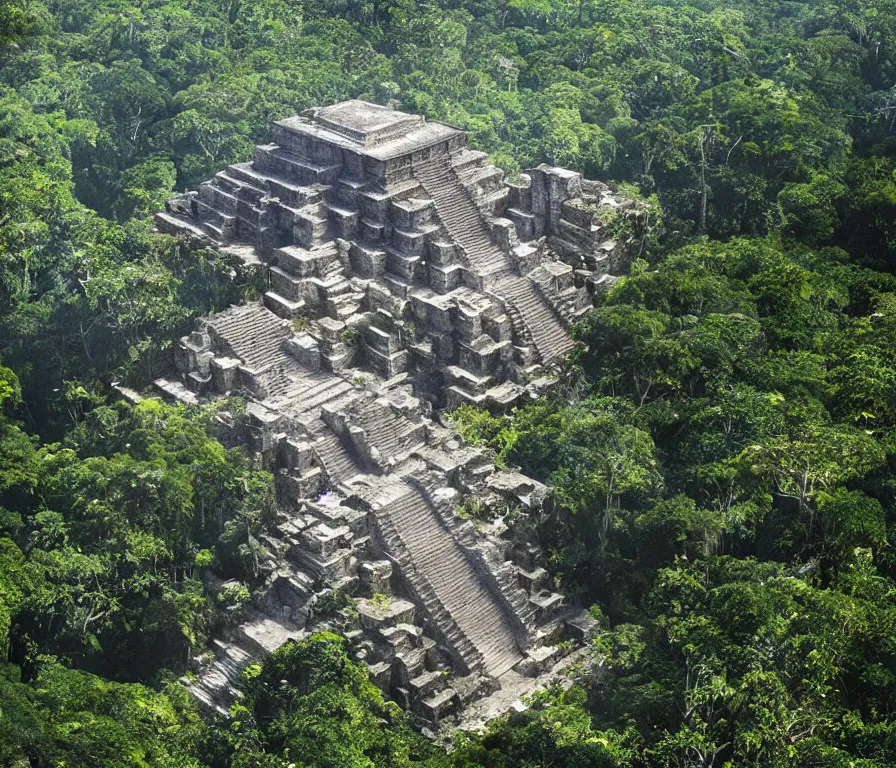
{"x": 252, "y": 334}
{"x": 289, "y": 193}
{"x": 437, "y": 559}
{"x": 549, "y": 334}
{"x": 231, "y": 208}
{"x": 483, "y": 181}
{"x": 217, "y": 682}
{"x": 440, "y": 622}
{"x": 255, "y": 336}
{"x": 464, "y": 222}
{"x": 299, "y": 390}
{"x": 516, "y": 599}
{"x": 461, "y": 216}
{"x": 182, "y": 227}
{"x": 339, "y": 463}
{"x": 565, "y": 302}
{"x": 388, "y": 432}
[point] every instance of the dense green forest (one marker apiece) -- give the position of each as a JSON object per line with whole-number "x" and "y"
{"x": 721, "y": 446}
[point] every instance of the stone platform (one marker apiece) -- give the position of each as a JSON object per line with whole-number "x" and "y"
{"x": 405, "y": 275}
{"x": 385, "y": 229}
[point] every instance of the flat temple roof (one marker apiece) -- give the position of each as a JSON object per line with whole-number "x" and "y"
{"x": 363, "y": 118}
{"x": 369, "y": 129}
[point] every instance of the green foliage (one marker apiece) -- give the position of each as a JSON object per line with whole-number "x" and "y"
{"x": 471, "y": 506}
{"x": 82, "y": 297}
{"x": 745, "y": 662}
{"x": 555, "y": 730}
{"x": 721, "y": 448}
{"x": 66, "y": 717}
{"x": 112, "y": 526}
{"x": 480, "y": 428}
{"x": 349, "y": 336}
{"x": 333, "y": 602}
{"x": 310, "y": 702}
{"x": 234, "y": 596}
{"x": 720, "y": 455}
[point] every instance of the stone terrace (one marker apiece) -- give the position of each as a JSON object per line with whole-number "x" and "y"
{"x": 388, "y": 230}
{"x": 404, "y": 276}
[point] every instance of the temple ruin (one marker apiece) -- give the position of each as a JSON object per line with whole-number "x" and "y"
{"x": 406, "y": 276}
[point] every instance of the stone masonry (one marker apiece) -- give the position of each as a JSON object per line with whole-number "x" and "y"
{"x": 405, "y": 276}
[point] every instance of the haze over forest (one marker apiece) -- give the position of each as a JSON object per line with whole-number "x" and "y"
{"x": 721, "y": 444}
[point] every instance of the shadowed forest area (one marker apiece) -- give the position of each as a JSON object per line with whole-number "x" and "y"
{"x": 721, "y": 445}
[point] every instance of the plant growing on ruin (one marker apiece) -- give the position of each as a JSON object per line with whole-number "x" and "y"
{"x": 333, "y": 602}
{"x": 480, "y": 428}
{"x": 470, "y": 507}
{"x": 349, "y": 336}
{"x": 234, "y": 596}
{"x": 410, "y": 330}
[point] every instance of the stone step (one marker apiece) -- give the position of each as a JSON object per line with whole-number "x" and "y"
{"x": 244, "y": 172}
{"x": 253, "y": 333}
{"x": 218, "y": 199}
{"x": 467, "y": 158}
{"x": 215, "y": 686}
{"x": 305, "y": 262}
{"x": 489, "y": 177}
{"x": 542, "y": 320}
{"x": 304, "y": 390}
{"x": 175, "y": 225}
{"x": 227, "y": 222}
{"x": 339, "y": 463}
{"x": 214, "y": 231}
{"x": 271, "y": 158}
{"x": 290, "y": 193}
{"x": 239, "y": 188}
{"x": 316, "y": 400}
{"x": 285, "y": 283}
{"x": 427, "y": 684}
{"x": 460, "y": 216}
{"x": 456, "y": 584}
{"x": 282, "y": 306}
{"x": 385, "y": 430}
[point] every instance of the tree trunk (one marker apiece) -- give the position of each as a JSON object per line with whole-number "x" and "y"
{"x": 701, "y": 224}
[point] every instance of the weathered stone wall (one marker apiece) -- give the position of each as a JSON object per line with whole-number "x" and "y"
{"x": 405, "y": 275}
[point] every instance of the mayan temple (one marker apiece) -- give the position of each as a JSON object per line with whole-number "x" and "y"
{"x": 405, "y": 276}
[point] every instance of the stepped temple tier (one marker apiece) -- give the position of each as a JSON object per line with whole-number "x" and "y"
{"x": 405, "y": 275}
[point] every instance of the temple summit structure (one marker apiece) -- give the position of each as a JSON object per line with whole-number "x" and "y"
{"x": 405, "y": 276}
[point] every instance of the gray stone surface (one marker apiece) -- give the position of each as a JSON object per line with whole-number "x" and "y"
{"x": 404, "y": 275}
